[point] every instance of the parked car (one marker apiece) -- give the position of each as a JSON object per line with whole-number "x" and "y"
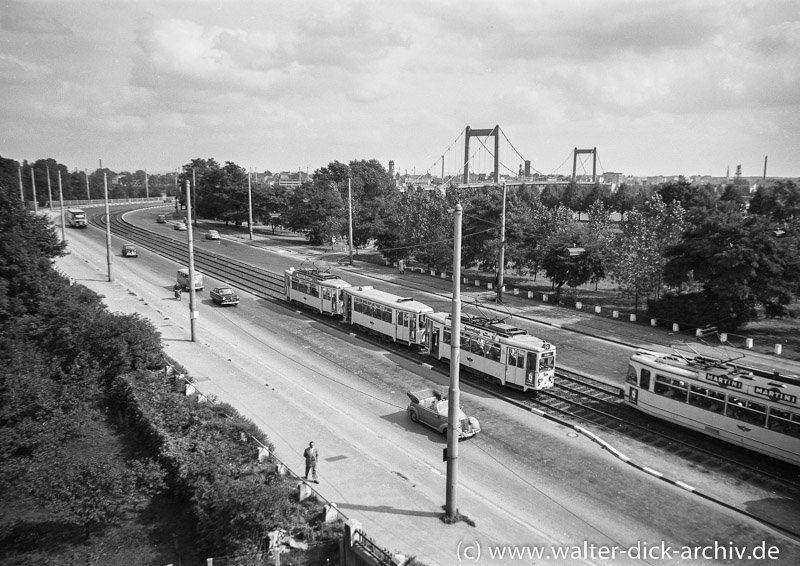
{"x": 430, "y": 407}
{"x": 161, "y": 218}
{"x": 181, "y": 226}
{"x": 129, "y": 250}
{"x": 224, "y": 296}
{"x": 212, "y": 235}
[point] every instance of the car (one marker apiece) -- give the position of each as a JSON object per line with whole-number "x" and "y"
{"x": 212, "y": 235}
{"x": 129, "y": 250}
{"x": 224, "y": 296}
{"x": 181, "y": 226}
{"x": 161, "y": 218}
{"x": 430, "y": 407}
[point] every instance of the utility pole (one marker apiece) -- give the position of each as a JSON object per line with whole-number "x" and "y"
{"x": 86, "y": 176}
{"x": 193, "y": 313}
{"x": 146, "y": 185}
{"x": 33, "y": 183}
{"x": 249, "y": 204}
{"x": 21, "y": 190}
{"x": 502, "y": 261}
{"x": 350, "y": 206}
{"x": 61, "y": 198}
{"x": 194, "y": 195}
{"x": 49, "y": 190}
{"x": 108, "y": 226}
{"x": 454, "y": 394}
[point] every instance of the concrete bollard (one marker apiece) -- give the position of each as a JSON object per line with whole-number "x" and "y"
{"x": 614, "y": 314}
{"x": 544, "y": 297}
{"x": 280, "y": 469}
{"x": 444, "y": 275}
{"x": 331, "y": 513}
{"x": 190, "y": 389}
{"x": 303, "y": 491}
{"x": 748, "y": 343}
{"x": 477, "y": 283}
{"x": 723, "y": 337}
{"x": 653, "y": 322}
{"x": 530, "y": 294}
{"x": 465, "y": 281}
{"x": 579, "y": 305}
{"x": 597, "y": 310}
{"x": 633, "y": 318}
{"x": 675, "y": 327}
{"x": 778, "y": 349}
{"x": 489, "y": 286}
{"x": 263, "y": 453}
{"x": 516, "y": 291}
{"x": 433, "y": 273}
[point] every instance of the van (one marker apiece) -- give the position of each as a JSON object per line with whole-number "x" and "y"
{"x": 183, "y": 279}
{"x": 161, "y": 218}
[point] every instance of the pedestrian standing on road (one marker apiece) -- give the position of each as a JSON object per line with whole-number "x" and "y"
{"x": 401, "y": 265}
{"x": 311, "y": 455}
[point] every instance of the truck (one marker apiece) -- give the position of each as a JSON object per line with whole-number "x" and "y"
{"x": 183, "y": 279}
{"x": 430, "y": 407}
{"x": 76, "y": 217}
{"x": 224, "y": 296}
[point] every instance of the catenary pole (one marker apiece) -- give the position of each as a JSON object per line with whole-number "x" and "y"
{"x": 61, "y": 199}
{"x": 21, "y": 189}
{"x": 350, "y": 216}
{"x": 108, "y": 226}
{"x": 502, "y": 260}
{"x": 454, "y": 394}
{"x": 249, "y": 204}
{"x": 49, "y": 190}
{"x": 194, "y": 314}
{"x": 33, "y": 184}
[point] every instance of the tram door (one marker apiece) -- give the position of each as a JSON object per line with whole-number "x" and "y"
{"x": 515, "y": 366}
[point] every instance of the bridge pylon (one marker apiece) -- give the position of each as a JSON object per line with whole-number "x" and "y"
{"x": 593, "y": 152}
{"x": 468, "y": 133}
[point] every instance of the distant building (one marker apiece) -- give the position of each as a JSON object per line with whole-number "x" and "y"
{"x": 289, "y": 179}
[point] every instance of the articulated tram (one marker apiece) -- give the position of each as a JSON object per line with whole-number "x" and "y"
{"x": 489, "y": 348}
{"x": 742, "y": 405}
{"x": 495, "y": 350}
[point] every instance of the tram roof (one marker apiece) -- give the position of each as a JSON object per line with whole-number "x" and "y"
{"x": 705, "y": 365}
{"x": 388, "y": 299}
{"x": 505, "y": 333}
{"x": 321, "y": 277}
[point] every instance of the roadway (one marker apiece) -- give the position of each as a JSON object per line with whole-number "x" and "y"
{"x": 298, "y": 380}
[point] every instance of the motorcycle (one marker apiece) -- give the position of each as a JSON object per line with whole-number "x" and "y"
{"x": 177, "y": 293}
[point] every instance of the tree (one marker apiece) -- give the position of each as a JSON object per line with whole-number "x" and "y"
{"x": 637, "y": 259}
{"x": 740, "y": 261}
{"x": 316, "y": 210}
{"x": 780, "y": 202}
{"x": 572, "y": 268}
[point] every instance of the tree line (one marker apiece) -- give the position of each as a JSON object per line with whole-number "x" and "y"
{"x": 700, "y": 255}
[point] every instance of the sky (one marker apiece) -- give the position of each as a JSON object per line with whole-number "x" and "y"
{"x": 658, "y": 87}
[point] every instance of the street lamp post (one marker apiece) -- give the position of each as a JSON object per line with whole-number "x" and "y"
{"x": 194, "y": 314}
{"x": 454, "y": 393}
{"x": 350, "y": 217}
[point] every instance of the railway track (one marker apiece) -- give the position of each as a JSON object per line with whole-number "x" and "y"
{"x": 574, "y": 398}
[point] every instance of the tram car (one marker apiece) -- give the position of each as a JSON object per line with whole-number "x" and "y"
{"x": 400, "y": 318}
{"x": 496, "y": 351}
{"x": 316, "y": 290}
{"x": 76, "y": 217}
{"x": 745, "y": 406}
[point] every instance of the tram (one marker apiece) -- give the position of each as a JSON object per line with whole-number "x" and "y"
{"x": 400, "y": 318}
{"x": 315, "y": 289}
{"x": 495, "y": 350}
{"x": 745, "y": 406}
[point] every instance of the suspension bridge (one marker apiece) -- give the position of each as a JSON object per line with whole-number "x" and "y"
{"x": 489, "y": 157}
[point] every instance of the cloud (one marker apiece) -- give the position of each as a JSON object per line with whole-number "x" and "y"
{"x": 14, "y": 70}
{"x": 24, "y": 18}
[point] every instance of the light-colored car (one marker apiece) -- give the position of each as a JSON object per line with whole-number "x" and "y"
{"x": 161, "y": 218}
{"x": 181, "y": 226}
{"x": 430, "y": 407}
{"x": 212, "y": 235}
{"x": 129, "y": 250}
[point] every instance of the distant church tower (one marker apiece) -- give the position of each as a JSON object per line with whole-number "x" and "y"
{"x": 391, "y": 167}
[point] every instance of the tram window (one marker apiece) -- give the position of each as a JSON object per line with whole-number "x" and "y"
{"x": 476, "y": 347}
{"x": 314, "y": 291}
{"x": 756, "y": 413}
{"x": 402, "y": 319}
{"x": 377, "y": 312}
{"x": 706, "y": 398}
{"x": 465, "y": 343}
{"x": 294, "y": 285}
{"x": 669, "y": 387}
{"x": 736, "y": 408}
{"x": 367, "y": 309}
{"x": 784, "y": 422}
{"x": 494, "y": 353}
{"x": 326, "y": 294}
{"x": 387, "y": 314}
{"x": 446, "y": 337}
{"x": 547, "y": 362}
{"x": 631, "y": 377}
{"x": 516, "y": 358}
{"x": 644, "y": 383}
{"x": 358, "y": 306}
